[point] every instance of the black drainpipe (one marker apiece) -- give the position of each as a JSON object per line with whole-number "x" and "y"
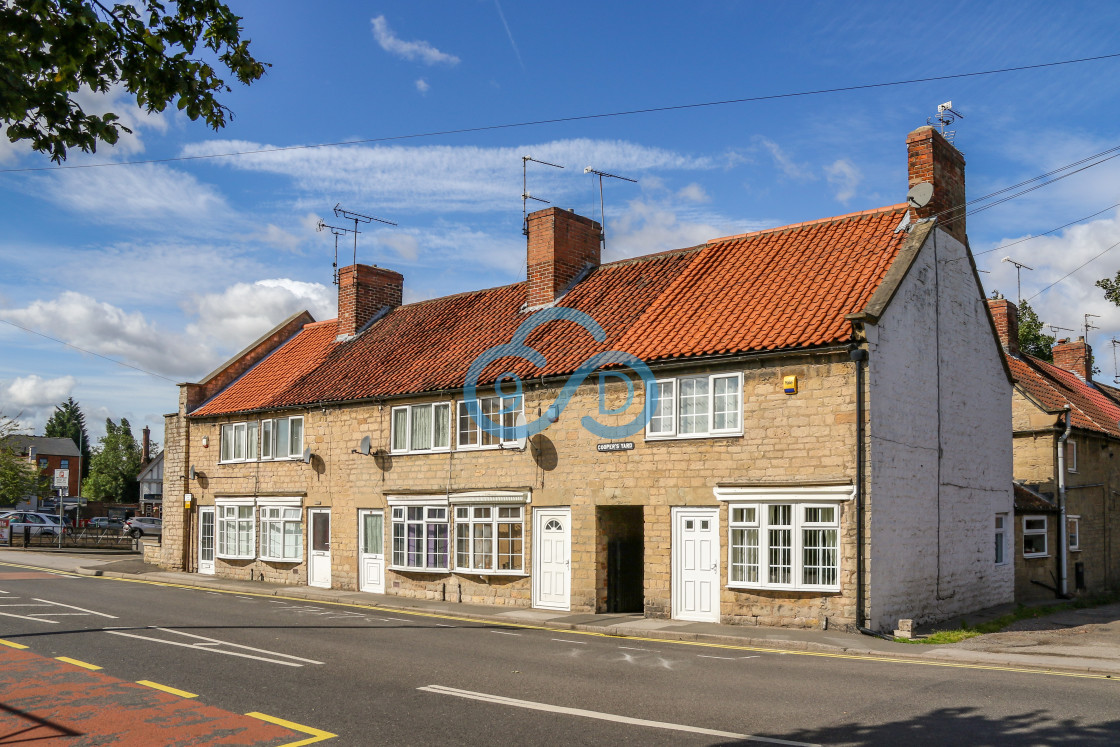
{"x": 858, "y": 356}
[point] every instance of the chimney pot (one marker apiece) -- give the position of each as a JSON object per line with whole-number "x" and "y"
{"x": 1006, "y": 318}
{"x": 933, "y": 159}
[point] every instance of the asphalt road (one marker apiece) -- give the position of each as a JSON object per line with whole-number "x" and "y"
{"x": 388, "y": 677}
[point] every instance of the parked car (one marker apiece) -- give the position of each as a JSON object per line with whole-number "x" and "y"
{"x": 104, "y": 522}
{"x": 138, "y": 526}
{"x": 46, "y": 525}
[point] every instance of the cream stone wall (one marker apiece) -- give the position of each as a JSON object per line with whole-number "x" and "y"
{"x": 803, "y": 438}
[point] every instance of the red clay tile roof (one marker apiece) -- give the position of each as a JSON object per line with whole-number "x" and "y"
{"x": 782, "y": 288}
{"x": 1028, "y": 500}
{"x": 1054, "y": 388}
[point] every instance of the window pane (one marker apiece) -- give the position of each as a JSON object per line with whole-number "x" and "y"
{"x": 509, "y": 546}
{"x": 400, "y": 429}
{"x": 398, "y": 543}
{"x": 490, "y": 407}
{"x": 251, "y": 441}
{"x": 744, "y": 515}
{"x": 1034, "y": 544}
{"x": 295, "y": 447}
{"x": 463, "y": 545}
{"x": 482, "y": 546}
{"x": 266, "y": 439}
{"x": 661, "y": 420}
{"x": 819, "y": 556}
{"x": 999, "y": 546}
{"x": 437, "y": 545}
{"x": 694, "y": 405}
{"x": 416, "y": 545}
{"x": 280, "y": 438}
{"x": 725, "y": 406}
{"x": 239, "y": 441}
{"x": 781, "y": 556}
{"x": 421, "y": 437}
{"x": 227, "y": 443}
{"x": 468, "y": 432}
{"x": 820, "y": 514}
{"x": 372, "y": 534}
{"x": 293, "y": 540}
{"x": 1035, "y": 525}
{"x": 441, "y": 438}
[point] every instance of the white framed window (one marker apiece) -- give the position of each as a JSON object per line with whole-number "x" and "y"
{"x": 421, "y": 428}
{"x": 281, "y": 533}
{"x": 1073, "y": 531}
{"x": 695, "y": 406}
{"x": 1071, "y": 456}
{"x": 282, "y": 438}
{"x": 1034, "y": 537}
{"x": 1001, "y": 539}
{"x": 501, "y": 411}
{"x": 787, "y": 545}
{"x": 489, "y": 539}
{"x": 234, "y": 445}
{"x": 235, "y": 531}
{"x": 420, "y": 538}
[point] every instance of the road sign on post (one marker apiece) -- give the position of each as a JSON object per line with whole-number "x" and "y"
{"x": 61, "y": 478}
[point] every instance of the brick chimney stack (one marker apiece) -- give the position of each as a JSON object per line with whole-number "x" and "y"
{"x": 1074, "y": 356}
{"x": 934, "y": 160}
{"x": 1006, "y": 317}
{"x": 562, "y": 245}
{"x": 147, "y": 445}
{"x": 363, "y": 290}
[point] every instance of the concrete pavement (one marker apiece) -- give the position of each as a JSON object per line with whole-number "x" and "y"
{"x": 1078, "y": 641}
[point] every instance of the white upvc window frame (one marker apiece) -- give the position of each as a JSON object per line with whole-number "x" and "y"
{"x": 666, "y": 416}
{"x": 750, "y": 525}
{"x": 408, "y": 436}
{"x": 470, "y": 436}
{"x": 1036, "y": 531}
{"x": 230, "y": 516}
{"x": 233, "y": 446}
{"x": 1002, "y": 557}
{"x": 274, "y": 430}
{"x": 283, "y": 514}
{"x": 429, "y": 516}
{"x": 1071, "y": 456}
{"x": 1073, "y": 533}
{"x": 479, "y": 541}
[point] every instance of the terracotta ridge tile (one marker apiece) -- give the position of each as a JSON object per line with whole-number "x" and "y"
{"x": 804, "y": 224}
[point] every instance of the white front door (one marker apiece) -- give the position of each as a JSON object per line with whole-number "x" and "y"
{"x": 319, "y": 547}
{"x": 696, "y": 564}
{"x": 371, "y": 559}
{"x": 206, "y": 540}
{"x": 552, "y": 566}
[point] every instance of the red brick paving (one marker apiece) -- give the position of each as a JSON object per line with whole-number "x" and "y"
{"x": 48, "y": 702}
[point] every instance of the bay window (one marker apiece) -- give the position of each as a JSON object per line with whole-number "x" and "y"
{"x": 281, "y": 533}
{"x": 695, "y": 406}
{"x": 489, "y": 539}
{"x": 785, "y": 546}
{"x": 420, "y": 428}
{"x": 235, "y": 531}
{"x": 420, "y": 537}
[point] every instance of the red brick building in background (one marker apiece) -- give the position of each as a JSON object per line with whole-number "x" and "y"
{"x": 51, "y": 454}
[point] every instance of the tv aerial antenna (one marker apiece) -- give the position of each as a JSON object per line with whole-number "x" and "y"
{"x": 602, "y": 209}
{"x": 1088, "y": 325}
{"x": 525, "y": 196}
{"x": 1019, "y": 267}
{"x": 340, "y": 212}
{"x": 337, "y": 231}
{"x": 946, "y": 115}
{"x": 1115, "y": 369}
{"x": 1055, "y": 329}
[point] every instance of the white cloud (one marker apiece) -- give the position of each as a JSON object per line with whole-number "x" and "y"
{"x": 146, "y": 194}
{"x": 416, "y": 51}
{"x": 406, "y": 246}
{"x": 647, "y": 227}
{"x": 449, "y": 178}
{"x": 277, "y": 238}
{"x": 243, "y": 312}
{"x": 784, "y": 162}
{"x": 422, "y": 85}
{"x": 112, "y": 332}
{"x": 120, "y": 102}
{"x": 693, "y": 193}
{"x": 844, "y": 177}
{"x": 32, "y": 394}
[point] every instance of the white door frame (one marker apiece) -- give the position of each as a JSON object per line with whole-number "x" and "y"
{"x": 371, "y": 568}
{"x": 678, "y": 514}
{"x": 540, "y": 515}
{"x": 207, "y": 567}
{"x": 311, "y": 553}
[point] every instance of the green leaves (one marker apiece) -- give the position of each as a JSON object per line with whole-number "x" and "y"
{"x": 51, "y": 48}
{"x": 115, "y": 465}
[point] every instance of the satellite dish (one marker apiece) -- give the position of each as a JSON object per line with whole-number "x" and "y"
{"x": 920, "y": 195}
{"x": 364, "y": 448}
{"x": 307, "y": 455}
{"x": 192, "y": 471}
{"x": 519, "y": 421}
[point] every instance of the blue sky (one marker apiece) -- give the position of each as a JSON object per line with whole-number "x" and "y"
{"x": 172, "y": 267}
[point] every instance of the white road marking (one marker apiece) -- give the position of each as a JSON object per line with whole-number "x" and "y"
{"x": 531, "y": 705}
{"x": 80, "y": 609}
{"x": 209, "y": 644}
{"x": 503, "y": 632}
{"x": 725, "y": 658}
{"x": 238, "y": 596}
{"x": 441, "y": 625}
{"x": 631, "y": 648}
{"x": 564, "y": 640}
{"x": 24, "y": 604}
{"x": 748, "y": 657}
{"x": 25, "y": 617}
{"x": 397, "y": 619}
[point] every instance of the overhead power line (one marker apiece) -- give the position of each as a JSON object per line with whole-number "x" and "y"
{"x": 1063, "y": 277}
{"x": 1047, "y": 233}
{"x": 577, "y": 118}
{"x": 89, "y": 352}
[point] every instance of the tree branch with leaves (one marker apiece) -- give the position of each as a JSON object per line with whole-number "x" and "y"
{"x": 51, "y": 49}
